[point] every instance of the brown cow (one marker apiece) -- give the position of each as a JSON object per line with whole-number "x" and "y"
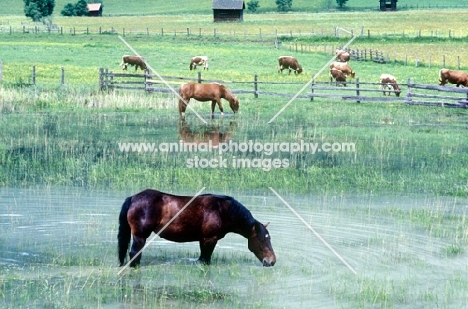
{"x": 343, "y": 67}
{"x": 453, "y": 77}
{"x": 342, "y": 55}
{"x": 138, "y": 62}
{"x": 388, "y": 81}
{"x": 199, "y": 60}
{"x": 290, "y": 63}
{"x": 338, "y": 76}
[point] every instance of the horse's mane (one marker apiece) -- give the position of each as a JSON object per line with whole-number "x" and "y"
{"x": 238, "y": 212}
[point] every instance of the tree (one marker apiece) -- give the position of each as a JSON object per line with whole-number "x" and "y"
{"x": 38, "y": 9}
{"x": 283, "y": 5}
{"x": 252, "y": 6}
{"x": 81, "y": 8}
{"x": 68, "y": 10}
{"x": 341, "y": 3}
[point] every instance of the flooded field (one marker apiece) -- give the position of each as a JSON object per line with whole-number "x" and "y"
{"x": 58, "y": 250}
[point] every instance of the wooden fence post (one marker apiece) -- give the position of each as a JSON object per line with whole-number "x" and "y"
{"x": 255, "y": 86}
{"x": 357, "y": 89}
{"x": 62, "y": 79}
{"x": 33, "y": 75}
{"x": 312, "y": 90}
{"x": 408, "y": 94}
{"x": 1, "y": 65}
{"x": 146, "y": 76}
{"x": 199, "y": 78}
{"x": 106, "y": 79}
{"x": 443, "y": 61}
{"x": 101, "y": 79}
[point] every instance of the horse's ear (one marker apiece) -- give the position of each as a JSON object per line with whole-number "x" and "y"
{"x": 266, "y": 224}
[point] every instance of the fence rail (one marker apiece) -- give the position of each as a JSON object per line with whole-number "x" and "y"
{"x": 416, "y": 94}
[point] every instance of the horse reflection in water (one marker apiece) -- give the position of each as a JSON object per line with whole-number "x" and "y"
{"x": 213, "y": 92}
{"x": 207, "y": 219}
{"x": 210, "y": 133}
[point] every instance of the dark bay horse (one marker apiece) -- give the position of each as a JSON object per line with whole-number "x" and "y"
{"x": 206, "y": 92}
{"x": 207, "y": 219}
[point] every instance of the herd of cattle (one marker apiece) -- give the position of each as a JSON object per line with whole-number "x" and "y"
{"x": 339, "y": 70}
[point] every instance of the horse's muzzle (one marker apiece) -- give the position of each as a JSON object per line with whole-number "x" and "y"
{"x": 267, "y": 262}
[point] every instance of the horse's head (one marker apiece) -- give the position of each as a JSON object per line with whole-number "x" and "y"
{"x": 397, "y": 90}
{"x": 260, "y": 245}
{"x": 234, "y": 103}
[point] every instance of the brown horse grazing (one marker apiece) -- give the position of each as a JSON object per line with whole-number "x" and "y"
{"x": 206, "y": 92}
{"x": 207, "y": 219}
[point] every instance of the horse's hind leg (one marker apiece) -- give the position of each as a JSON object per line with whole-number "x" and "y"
{"x": 137, "y": 246}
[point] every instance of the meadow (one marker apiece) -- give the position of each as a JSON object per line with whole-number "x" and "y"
{"x": 394, "y": 208}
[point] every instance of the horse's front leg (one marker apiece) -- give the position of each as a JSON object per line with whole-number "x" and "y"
{"x": 182, "y": 107}
{"x": 137, "y": 246}
{"x": 220, "y": 105}
{"x": 207, "y": 246}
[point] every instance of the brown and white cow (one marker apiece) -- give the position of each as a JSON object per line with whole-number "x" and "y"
{"x": 290, "y": 63}
{"x": 136, "y": 61}
{"x": 338, "y": 76}
{"x": 342, "y": 55}
{"x": 199, "y": 60}
{"x": 453, "y": 77}
{"x": 343, "y": 67}
{"x": 388, "y": 81}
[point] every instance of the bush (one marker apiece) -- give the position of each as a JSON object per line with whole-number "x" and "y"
{"x": 68, "y": 10}
{"x": 252, "y": 6}
{"x": 283, "y": 5}
{"x": 81, "y": 8}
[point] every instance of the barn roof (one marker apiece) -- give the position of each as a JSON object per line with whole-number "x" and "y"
{"x": 228, "y": 4}
{"x": 94, "y": 7}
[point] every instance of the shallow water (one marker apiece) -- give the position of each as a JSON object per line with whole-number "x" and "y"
{"x": 408, "y": 252}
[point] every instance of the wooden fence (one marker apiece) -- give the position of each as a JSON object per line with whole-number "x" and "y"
{"x": 412, "y": 94}
{"x": 260, "y": 34}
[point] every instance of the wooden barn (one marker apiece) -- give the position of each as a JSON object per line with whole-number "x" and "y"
{"x": 228, "y": 10}
{"x": 94, "y": 9}
{"x": 388, "y": 5}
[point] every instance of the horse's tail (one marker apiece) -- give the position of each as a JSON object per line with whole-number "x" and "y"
{"x": 124, "y": 235}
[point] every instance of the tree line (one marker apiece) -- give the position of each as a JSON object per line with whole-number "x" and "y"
{"x": 38, "y": 10}
{"x": 284, "y": 5}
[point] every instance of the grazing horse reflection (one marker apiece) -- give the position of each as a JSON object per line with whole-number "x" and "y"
{"x": 207, "y": 219}
{"x": 214, "y": 133}
{"x": 206, "y": 92}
